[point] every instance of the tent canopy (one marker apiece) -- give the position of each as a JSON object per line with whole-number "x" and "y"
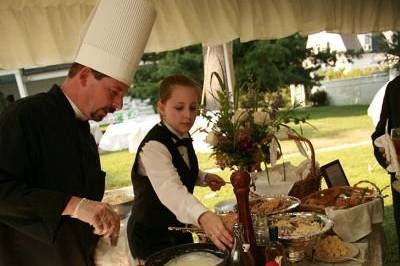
{"x": 44, "y": 32}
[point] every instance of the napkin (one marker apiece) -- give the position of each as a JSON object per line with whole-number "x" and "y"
{"x": 279, "y": 179}
{"x": 385, "y": 142}
{"x": 355, "y": 223}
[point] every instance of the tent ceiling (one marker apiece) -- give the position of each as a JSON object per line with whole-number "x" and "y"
{"x": 43, "y": 32}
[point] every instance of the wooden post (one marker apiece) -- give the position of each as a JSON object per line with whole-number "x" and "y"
{"x": 241, "y": 187}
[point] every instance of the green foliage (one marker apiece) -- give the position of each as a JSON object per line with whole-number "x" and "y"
{"x": 391, "y": 48}
{"x": 274, "y": 64}
{"x": 269, "y": 65}
{"x": 331, "y": 74}
{"x": 187, "y": 61}
{"x": 241, "y": 138}
{"x": 319, "y": 98}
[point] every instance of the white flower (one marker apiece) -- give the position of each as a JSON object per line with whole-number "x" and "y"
{"x": 261, "y": 118}
{"x": 212, "y": 138}
{"x": 240, "y": 116}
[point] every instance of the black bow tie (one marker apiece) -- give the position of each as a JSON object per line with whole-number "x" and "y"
{"x": 187, "y": 142}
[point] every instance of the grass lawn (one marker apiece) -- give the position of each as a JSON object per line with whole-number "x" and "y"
{"x": 336, "y": 126}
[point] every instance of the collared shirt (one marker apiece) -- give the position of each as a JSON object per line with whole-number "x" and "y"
{"x": 156, "y": 163}
{"x": 77, "y": 112}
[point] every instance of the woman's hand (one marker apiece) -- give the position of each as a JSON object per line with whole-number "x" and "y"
{"x": 216, "y": 230}
{"x": 215, "y": 182}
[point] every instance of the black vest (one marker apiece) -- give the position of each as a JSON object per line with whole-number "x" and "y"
{"x": 148, "y": 225}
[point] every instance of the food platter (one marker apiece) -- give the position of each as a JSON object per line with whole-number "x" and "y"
{"x": 298, "y": 230}
{"x": 338, "y": 198}
{"x": 265, "y": 206}
{"x": 300, "y": 225}
{"x": 352, "y": 252}
{"x": 262, "y": 206}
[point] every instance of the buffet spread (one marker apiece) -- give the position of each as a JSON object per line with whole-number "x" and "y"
{"x": 316, "y": 228}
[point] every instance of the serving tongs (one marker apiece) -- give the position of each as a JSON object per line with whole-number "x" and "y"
{"x": 188, "y": 229}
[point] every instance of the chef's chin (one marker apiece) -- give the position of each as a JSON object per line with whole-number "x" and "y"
{"x": 98, "y": 115}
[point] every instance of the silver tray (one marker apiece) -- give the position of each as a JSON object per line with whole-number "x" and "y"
{"x": 290, "y": 202}
{"x": 225, "y": 206}
{"x": 230, "y": 205}
{"x": 296, "y": 245}
{"x": 325, "y": 223}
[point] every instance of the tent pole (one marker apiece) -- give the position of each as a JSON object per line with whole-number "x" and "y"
{"x": 203, "y": 94}
{"x": 228, "y": 68}
{"x": 20, "y": 83}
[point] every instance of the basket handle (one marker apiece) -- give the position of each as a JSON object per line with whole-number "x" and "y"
{"x": 313, "y": 165}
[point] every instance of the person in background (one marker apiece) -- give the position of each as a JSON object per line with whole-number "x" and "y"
{"x": 164, "y": 174}
{"x": 51, "y": 182}
{"x": 390, "y": 114}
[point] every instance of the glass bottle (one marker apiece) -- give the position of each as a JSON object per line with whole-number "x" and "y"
{"x": 240, "y": 254}
{"x": 275, "y": 251}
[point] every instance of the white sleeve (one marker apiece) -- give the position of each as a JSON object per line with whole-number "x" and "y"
{"x": 163, "y": 176}
{"x": 201, "y": 179}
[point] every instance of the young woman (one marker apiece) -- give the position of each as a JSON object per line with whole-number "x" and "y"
{"x": 164, "y": 175}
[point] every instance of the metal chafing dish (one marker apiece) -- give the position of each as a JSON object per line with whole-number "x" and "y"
{"x": 120, "y": 200}
{"x": 164, "y": 256}
{"x": 296, "y": 244}
{"x": 230, "y": 205}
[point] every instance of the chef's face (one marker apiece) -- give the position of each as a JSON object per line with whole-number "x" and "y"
{"x": 105, "y": 96}
{"x": 180, "y": 109}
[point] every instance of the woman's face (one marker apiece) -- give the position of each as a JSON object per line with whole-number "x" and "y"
{"x": 180, "y": 110}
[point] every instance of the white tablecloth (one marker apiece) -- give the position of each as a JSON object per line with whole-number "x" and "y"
{"x": 130, "y": 133}
{"x": 95, "y": 131}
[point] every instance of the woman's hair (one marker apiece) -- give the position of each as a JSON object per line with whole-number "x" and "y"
{"x": 169, "y": 82}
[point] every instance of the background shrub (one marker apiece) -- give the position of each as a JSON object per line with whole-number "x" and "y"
{"x": 319, "y": 98}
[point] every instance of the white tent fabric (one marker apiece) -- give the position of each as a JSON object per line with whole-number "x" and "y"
{"x": 44, "y": 32}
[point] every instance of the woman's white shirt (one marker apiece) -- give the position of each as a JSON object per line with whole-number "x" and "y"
{"x": 156, "y": 162}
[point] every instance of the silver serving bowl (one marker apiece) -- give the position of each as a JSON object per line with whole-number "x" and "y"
{"x": 230, "y": 205}
{"x": 291, "y": 202}
{"x": 225, "y": 206}
{"x": 297, "y": 244}
{"x": 120, "y": 200}
{"x": 123, "y": 209}
{"x": 164, "y": 256}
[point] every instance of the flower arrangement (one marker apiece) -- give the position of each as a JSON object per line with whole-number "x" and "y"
{"x": 241, "y": 137}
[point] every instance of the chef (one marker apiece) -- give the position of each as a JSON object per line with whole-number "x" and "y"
{"x": 51, "y": 182}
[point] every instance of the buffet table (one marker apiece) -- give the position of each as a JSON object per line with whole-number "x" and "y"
{"x": 371, "y": 251}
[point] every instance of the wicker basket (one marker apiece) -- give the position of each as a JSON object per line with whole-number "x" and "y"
{"x": 312, "y": 182}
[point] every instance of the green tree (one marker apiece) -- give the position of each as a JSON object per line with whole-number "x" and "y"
{"x": 273, "y": 64}
{"x": 391, "y": 48}
{"x": 156, "y": 66}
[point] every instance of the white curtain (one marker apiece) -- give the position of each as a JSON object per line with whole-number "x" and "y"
{"x": 43, "y": 32}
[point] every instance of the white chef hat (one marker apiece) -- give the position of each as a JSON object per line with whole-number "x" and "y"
{"x": 116, "y": 36}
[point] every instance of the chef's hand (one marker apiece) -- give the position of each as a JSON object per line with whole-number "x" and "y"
{"x": 101, "y": 216}
{"x": 215, "y": 182}
{"x": 216, "y": 230}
